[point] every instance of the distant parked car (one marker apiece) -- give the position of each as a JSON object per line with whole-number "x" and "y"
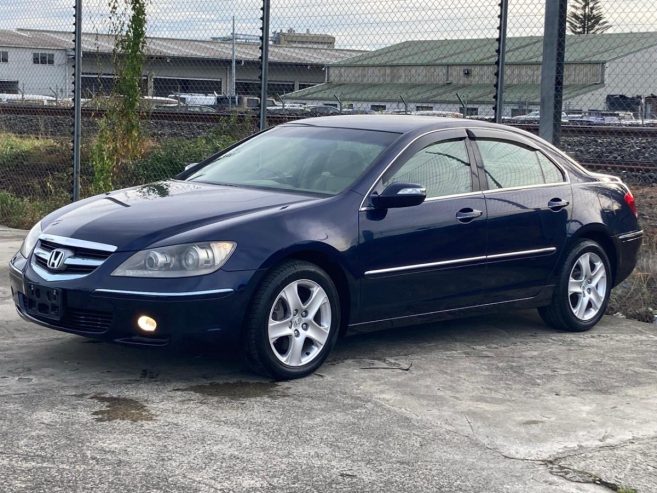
{"x": 534, "y": 117}
{"x": 310, "y": 228}
{"x": 322, "y": 110}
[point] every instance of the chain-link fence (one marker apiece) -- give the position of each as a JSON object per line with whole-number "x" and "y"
{"x": 164, "y": 83}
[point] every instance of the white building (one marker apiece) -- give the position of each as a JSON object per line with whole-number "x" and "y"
{"x": 41, "y": 62}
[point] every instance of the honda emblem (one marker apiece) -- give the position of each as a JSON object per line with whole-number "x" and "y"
{"x": 57, "y": 259}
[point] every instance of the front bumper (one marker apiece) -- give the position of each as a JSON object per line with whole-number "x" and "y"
{"x": 111, "y": 313}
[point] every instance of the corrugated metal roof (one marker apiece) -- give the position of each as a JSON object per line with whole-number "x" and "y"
{"x": 587, "y": 48}
{"x": 430, "y": 93}
{"x": 174, "y": 47}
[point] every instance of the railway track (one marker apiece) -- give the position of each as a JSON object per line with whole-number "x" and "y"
{"x": 193, "y": 117}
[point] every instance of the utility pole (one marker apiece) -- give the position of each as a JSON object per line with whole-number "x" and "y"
{"x": 77, "y": 102}
{"x": 554, "y": 50}
{"x": 501, "y": 60}
{"x": 233, "y": 70}
{"x": 264, "y": 63}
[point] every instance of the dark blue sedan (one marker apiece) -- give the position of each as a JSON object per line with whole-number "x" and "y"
{"x": 288, "y": 238}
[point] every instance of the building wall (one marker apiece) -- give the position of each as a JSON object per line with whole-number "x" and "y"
{"x": 581, "y": 73}
{"x": 46, "y": 80}
{"x": 633, "y": 75}
{"x": 214, "y": 70}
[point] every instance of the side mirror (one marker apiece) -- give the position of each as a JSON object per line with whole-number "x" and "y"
{"x": 398, "y": 195}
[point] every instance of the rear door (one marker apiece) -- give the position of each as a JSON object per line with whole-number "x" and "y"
{"x": 428, "y": 257}
{"x": 529, "y": 203}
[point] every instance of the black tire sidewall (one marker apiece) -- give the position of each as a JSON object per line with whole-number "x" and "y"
{"x": 278, "y": 280}
{"x": 562, "y": 296}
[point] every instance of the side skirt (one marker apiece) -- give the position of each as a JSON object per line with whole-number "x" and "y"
{"x": 544, "y": 297}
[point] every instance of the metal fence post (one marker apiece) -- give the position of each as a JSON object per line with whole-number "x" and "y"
{"x": 264, "y": 63}
{"x": 77, "y": 103}
{"x": 554, "y": 49}
{"x": 501, "y": 56}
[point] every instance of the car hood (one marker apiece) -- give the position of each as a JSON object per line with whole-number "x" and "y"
{"x": 137, "y": 217}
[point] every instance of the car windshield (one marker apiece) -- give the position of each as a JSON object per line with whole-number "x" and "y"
{"x": 298, "y": 158}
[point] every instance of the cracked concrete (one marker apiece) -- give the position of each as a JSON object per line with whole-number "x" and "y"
{"x": 497, "y": 403}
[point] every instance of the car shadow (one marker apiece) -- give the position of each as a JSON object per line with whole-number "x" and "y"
{"x": 190, "y": 362}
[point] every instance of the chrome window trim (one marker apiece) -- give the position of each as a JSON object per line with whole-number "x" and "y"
{"x": 497, "y": 256}
{"x": 163, "y": 294}
{"x": 433, "y": 199}
{"x": 394, "y": 159}
{"x": 632, "y": 235}
{"x": 527, "y": 187}
{"x": 73, "y": 242}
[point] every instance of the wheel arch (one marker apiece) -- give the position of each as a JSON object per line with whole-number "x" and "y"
{"x": 326, "y": 258}
{"x": 600, "y": 234}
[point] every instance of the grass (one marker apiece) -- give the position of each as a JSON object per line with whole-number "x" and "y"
{"x": 636, "y": 297}
{"x": 35, "y": 173}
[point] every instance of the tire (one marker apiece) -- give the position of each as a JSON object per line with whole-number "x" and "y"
{"x": 288, "y": 337}
{"x": 576, "y": 305}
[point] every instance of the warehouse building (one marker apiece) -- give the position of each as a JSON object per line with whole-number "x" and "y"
{"x": 41, "y": 63}
{"x": 459, "y": 75}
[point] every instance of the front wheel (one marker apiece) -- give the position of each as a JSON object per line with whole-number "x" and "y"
{"x": 582, "y": 292}
{"x": 293, "y": 321}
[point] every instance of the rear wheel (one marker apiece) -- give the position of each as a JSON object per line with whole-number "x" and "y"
{"x": 293, "y": 321}
{"x": 582, "y": 293}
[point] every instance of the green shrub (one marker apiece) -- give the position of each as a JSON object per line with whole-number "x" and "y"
{"x": 19, "y": 212}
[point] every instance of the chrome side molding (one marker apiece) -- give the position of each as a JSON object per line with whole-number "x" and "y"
{"x": 497, "y": 256}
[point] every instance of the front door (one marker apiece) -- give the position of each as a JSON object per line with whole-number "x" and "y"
{"x": 430, "y": 257}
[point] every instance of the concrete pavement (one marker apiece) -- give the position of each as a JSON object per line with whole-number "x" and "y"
{"x": 497, "y": 403}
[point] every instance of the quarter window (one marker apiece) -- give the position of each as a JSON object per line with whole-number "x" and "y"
{"x": 510, "y": 165}
{"x": 443, "y": 168}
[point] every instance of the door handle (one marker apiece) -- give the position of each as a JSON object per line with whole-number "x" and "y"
{"x": 468, "y": 214}
{"x": 557, "y": 204}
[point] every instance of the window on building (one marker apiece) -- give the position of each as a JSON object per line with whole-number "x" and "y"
{"x": 9, "y": 86}
{"x": 472, "y": 112}
{"x": 378, "y": 107}
{"x": 510, "y": 165}
{"x": 443, "y": 168}
{"x": 421, "y": 107}
{"x": 43, "y": 58}
{"x": 4, "y": 56}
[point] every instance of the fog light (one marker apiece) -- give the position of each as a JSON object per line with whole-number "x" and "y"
{"x": 147, "y": 324}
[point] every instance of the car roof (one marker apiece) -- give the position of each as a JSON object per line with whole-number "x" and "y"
{"x": 392, "y": 123}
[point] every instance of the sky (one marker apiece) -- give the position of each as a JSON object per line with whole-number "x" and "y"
{"x": 365, "y": 24}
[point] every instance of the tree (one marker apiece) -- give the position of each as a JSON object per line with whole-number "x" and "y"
{"x": 120, "y": 138}
{"x": 586, "y": 17}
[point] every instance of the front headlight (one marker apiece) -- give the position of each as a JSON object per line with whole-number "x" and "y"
{"x": 30, "y": 240}
{"x": 194, "y": 259}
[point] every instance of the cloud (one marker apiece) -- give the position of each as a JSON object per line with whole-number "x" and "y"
{"x": 366, "y": 24}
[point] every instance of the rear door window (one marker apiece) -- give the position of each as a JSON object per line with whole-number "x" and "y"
{"x": 509, "y": 165}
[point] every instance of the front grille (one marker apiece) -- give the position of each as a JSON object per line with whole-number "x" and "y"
{"x": 87, "y": 320}
{"x": 82, "y": 262}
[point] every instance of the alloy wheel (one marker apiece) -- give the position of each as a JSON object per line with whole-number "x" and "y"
{"x": 299, "y": 322}
{"x": 587, "y": 286}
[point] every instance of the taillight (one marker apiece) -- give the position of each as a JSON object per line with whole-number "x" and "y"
{"x": 629, "y": 200}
